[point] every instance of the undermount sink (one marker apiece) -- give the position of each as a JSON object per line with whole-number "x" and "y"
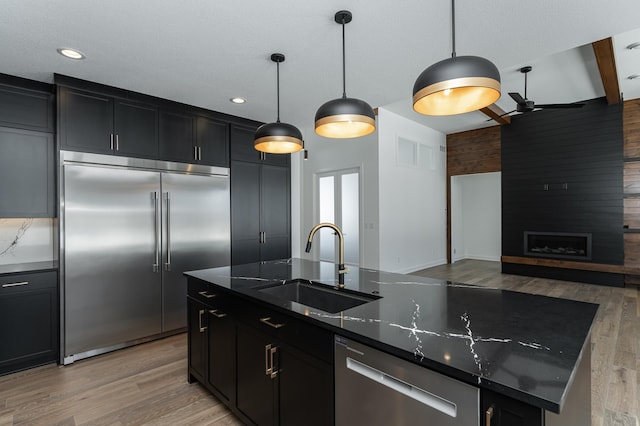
{"x": 328, "y": 299}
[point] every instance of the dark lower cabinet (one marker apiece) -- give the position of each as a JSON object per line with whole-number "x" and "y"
{"x": 500, "y": 410}
{"x": 268, "y": 368}
{"x": 28, "y": 320}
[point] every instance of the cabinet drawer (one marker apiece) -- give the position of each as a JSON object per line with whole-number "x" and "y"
{"x": 206, "y": 293}
{"x": 26, "y": 282}
{"x": 306, "y": 337}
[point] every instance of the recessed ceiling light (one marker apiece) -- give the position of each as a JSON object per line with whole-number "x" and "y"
{"x": 635, "y": 45}
{"x": 71, "y": 53}
{"x": 238, "y": 100}
{"x": 634, "y": 76}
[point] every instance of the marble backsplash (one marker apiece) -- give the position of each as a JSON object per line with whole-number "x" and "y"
{"x": 26, "y": 240}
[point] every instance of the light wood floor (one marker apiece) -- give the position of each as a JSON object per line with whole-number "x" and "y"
{"x": 147, "y": 384}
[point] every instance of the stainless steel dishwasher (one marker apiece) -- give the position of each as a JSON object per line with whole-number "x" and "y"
{"x": 375, "y": 388}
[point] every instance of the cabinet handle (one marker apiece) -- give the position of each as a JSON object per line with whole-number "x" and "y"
{"x": 117, "y": 142}
{"x": 111, "y": 141}
{"x": 264, "y": 237}
{"x": 200, "y": 314}
{"x": 267, "y": 369}
{"x": 488, "y": 416}
{"x": 217, "y": 314}
{"x": 199, "y": 153}
{"x": 15, "y": 284}
{"x": 195, "y": 152}
{"x": 267, "y": 320}
{"x": 274, "y": 370}
{"x": 206, "y": 294}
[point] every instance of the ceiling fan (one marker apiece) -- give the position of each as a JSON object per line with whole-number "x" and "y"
{"x": 525, "y": 105}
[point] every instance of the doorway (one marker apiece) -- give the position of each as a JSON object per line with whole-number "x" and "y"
{"x": 338, "y": 202}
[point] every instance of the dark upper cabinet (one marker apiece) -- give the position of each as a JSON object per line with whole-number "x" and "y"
{"x": 241, "y": 140}
{"x": 28, "y": 320}
{"x": 26, "y": 109}
{"x": 177, "y": 136}
{"x": 212, "y": 141}
{"x": 190, "y": 138}
{"x": 98, "y": 123}
{"x": 27, "y": 173}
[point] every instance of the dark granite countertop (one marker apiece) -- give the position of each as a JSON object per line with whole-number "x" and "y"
{"x": 521, "y": 345}
{"x": 19, "y": 268}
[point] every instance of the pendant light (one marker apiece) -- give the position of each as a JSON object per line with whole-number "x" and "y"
{"x": 456, "y": 85}
{"x": 345, "y": 117}
{"x": 278, "y": 138}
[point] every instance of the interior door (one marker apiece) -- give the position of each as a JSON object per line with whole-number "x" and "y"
{"x": 195, "y": 235}
{"x": 339, "y": 203}
{"x": 112, "y": 292}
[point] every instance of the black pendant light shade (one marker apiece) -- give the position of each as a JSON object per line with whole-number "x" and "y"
{"x": 456, "y": 85}
{"x": 278, "y": 138}
{"x": 344, "y": 117}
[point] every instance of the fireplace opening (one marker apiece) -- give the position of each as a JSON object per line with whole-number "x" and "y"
{"x": 557, "y": 245}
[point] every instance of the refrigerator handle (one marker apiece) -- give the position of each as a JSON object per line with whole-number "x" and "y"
{"x": 156, "y": 225}
{"x": 167, "y": 266}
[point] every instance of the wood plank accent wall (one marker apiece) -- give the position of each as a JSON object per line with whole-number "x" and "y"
{"x": 470, "y": 152}
{"x": 562, "y": 172}
{"x": 631, "y": 132}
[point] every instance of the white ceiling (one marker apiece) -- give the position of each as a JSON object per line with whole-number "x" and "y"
{"x": 203, "y": 52}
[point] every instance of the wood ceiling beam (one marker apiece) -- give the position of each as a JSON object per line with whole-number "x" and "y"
{"x": 603, "y": 50}
{"x": 498, "y": 114}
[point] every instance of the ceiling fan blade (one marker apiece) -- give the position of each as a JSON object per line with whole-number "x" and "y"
{"x": 573, "y": 105}
{"x": 502, "y": 115}
{"x": 516, "y": 97}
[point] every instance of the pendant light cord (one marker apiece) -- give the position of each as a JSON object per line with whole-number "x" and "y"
{"x": 278, "y": 88}
{"x": 453, "y": 28}
{"x": 344, "y": 73}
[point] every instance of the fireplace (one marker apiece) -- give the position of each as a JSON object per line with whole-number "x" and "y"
{"x": 557, "y": 245}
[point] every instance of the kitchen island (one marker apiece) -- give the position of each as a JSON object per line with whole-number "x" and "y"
{"x": 528, "y": 356}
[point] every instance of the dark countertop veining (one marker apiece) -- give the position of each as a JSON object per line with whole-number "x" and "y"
{"x": 19, "y": 268}
{"x": 520, "y": 345}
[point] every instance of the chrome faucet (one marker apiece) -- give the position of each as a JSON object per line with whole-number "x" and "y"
{"x": 341, "y": 268}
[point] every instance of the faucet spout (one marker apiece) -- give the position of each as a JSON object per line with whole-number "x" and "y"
{"x": 341, "y": 268}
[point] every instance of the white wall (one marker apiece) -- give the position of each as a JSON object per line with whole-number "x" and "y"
{"x": 476, "y": 216}
{"x": 412, "y": 199}
{"x": 327, "y": 155}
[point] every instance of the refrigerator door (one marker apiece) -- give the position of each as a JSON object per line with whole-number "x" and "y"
{"x": 196, "y": 235}
{"x": 111, "y": 220}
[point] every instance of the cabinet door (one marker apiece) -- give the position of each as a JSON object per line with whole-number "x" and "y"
{"x": 26, "y": 109}
{"x": 245, "y": 212}
{"x": 212, "y": 139}
{"x": 27, "y": 175}
{"x": 197, "y": 330}
{"x": 222, "y": 354}
{"x": 306, "y": 390}
{"x": 256, "y": 389}
{"x": 85, "y": 121}
{"x": 136, "y": 129}
{"x": 241, "y": 144}
{"x": 505, "y": 411}
{"x": 28, "y": 321}
{"x": 177, "y": 136}
{"x": 275, "y": 213}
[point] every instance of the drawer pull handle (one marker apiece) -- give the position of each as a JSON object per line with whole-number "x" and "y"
{"x": 217, "y": 313}
{"x": 15, "y": 284}
{"x": 488, "y": 416}
{"x": 267, "y": 320}
{"x": 206, "y": 294}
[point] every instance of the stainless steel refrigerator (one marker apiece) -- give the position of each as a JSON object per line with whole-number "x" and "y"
{"x": 129, "y": 228}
